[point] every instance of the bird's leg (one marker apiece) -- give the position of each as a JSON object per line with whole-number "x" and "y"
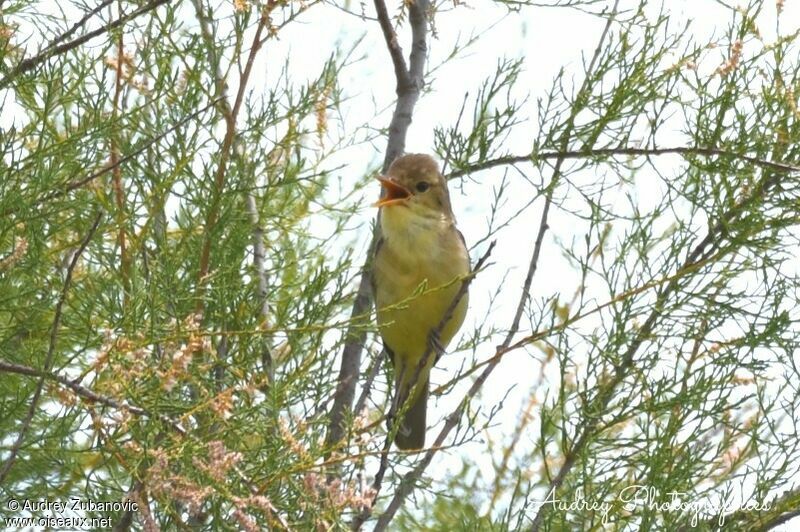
{"x": 397, "y": 397}
{"x": 435, "y": 345}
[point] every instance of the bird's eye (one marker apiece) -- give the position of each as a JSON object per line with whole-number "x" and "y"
{"x": 422, "y": 186}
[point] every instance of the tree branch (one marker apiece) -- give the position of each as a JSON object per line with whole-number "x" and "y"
{"x": 349, "y": 370}
{"x": 419, "y": 46}
{"x": 119, "y": 190}
{"x": 86, "y": 393}
{"x": 408, "y": 94}
{"x": 398, "y": 401}
{"x": 51, "y": 51}
{"x": 611, "y": 152}
{"x": 355, "y": 336}
{"x": 395, "y": 51}
{"x": 51, "y": 349}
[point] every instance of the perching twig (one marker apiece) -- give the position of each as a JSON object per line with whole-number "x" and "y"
{"x": 51, "y": 349}
{"x": 398, "y": 402}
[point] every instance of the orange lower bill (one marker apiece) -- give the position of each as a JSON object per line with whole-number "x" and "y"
{"x": 394, "y": 192}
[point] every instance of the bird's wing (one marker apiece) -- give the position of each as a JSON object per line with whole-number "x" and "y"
{"x": 378, "y": 245}
{"x": 464, "y": 242}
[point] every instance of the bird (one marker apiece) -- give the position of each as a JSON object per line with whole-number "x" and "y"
{"x": 419, "y": 264}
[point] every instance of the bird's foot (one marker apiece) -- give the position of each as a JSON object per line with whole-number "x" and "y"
{"x": 435, "y": 345}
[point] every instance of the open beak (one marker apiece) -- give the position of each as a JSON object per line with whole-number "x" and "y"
{"x": 394, "y": 192}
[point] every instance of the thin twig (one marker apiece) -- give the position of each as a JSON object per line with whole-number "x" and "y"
{"x": 259, "y": 258}
{"x": 398, "y": 402}
{"x": 75, "y": 27}
{"x": 775, "y": 513}
{"x": 610, "y": 152}
{"x": 368, "y": 380}
{"x": 74, "y": 185}
{"x": 51, "y": 349}
{"x": 51, "y": 51}
{"x": 86, "y": 393}
{"x": 119, "y": 191}
{"x": 544, "y": 333}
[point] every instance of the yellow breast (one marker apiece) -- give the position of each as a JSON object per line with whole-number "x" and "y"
{"x": 418, "y": 271}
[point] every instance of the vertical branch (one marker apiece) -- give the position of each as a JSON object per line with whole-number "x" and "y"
{"x": 351, "y": 356}
{"x": 410, "y": 479}
{"x": 229, "y": 113}
{"x": 116, "y": 173}
{"x": 399, "y": 402}
{"x": 410, "y": 86}
{"x": 51, "y": 350}
{"x": 259, "y": 258}
{"x": 395, "y": 52}
{"x": 410, "y": 81}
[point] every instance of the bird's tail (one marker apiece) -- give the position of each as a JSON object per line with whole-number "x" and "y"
{"x": 411, "y": 432}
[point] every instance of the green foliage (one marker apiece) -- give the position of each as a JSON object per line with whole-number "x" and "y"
{"x": 182, "y": 234}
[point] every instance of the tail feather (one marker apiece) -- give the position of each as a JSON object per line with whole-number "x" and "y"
{"x": 411, "y": 432}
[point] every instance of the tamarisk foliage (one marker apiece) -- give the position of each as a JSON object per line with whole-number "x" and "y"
{"x": 185, "y": 313}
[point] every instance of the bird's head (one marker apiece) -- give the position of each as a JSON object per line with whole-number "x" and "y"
{"x": 414, "y": 182}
